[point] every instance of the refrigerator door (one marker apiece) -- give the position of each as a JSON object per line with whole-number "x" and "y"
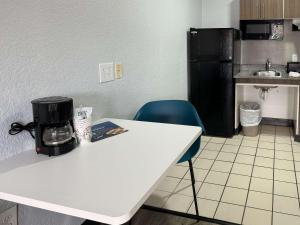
{"x": 211, "y": 44}
{"x": 212, "y": 93}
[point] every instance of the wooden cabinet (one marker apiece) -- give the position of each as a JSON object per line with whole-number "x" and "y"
{"x": 261, "y": 9}
{"x": 272, "y": 9}
{"x": 250, "y": 10}
{"x": 291, "y": 9}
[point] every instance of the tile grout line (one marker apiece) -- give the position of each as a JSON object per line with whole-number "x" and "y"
{"x": 248, "y": 191}
{"x": 228, "y": 179}
{"x": 295, "y": 174}
{"x": 273, "y": 187}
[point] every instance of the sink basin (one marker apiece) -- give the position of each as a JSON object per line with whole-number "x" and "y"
{"x": 270, "y": 73}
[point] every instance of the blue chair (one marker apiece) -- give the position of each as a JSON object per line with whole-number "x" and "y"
{"x": 175, "y": 112}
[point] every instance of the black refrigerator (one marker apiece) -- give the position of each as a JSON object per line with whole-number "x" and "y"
{"x": 213, "y": 60}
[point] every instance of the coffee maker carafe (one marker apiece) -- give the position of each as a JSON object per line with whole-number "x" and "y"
{"x": 53, "y": 125}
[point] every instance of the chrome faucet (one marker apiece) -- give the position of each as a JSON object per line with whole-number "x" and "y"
{"x": 268, "y": 65}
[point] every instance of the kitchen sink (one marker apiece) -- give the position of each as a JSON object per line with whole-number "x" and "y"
{"x": 270, "y": 73}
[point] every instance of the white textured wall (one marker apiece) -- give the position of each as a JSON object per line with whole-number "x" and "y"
{"x": 54, "y": 48}
{"x": 221, "y": 13}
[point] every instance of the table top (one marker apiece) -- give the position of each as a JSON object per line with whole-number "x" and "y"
{"x": 105, "y": 181}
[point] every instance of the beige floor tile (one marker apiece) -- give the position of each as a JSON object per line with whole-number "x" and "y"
{"x": 297, "y": 156}
{"x": 242, "y": 169}
{"x": 158, "y": 198}
{"x": 296, "y": 147}
{"x": 218, "y": 140}
{"x": 280, "y": 219}
{"x": 265, "y": 162}
{"x": 262, "y": 172}
{"x": 213, "y": 146}
{"x": 222, "y": 166}
{"x": 230, "y": 148}
{"x": 178, "y": 171}
{"x": 207, "y": 208}
{"x": 235, "y": 196}
{"x": 262, "y": 185}
{"x": 206, "y": 154}
{"x": 282, "y": 128}
{"x": 298, "y": 177}
{"x": 168, "y": 184}
{"x": 266, "y": 145}
{"x": 247, "y": 150}
{"x": 268, "y": 127}
{"x": 185, "y": 188}
{"x": 226, "y": 156}
{"x": 247, "y": 138}
{"x": 267, "y": 153}
{"x": 284, "y": 175}
{"x": 267, "y": 133}
{"x": 283, "y": 140}
{"x": 229, "y": 212}
{"x": 257, "y": 217}
{"x": 180, "y": 203}
{"x": 202, "y": 145}
{"x": 283, "y": 155}
{"x": 238, "y": 181}
{"x": 259, "y": 200}
{"x": 200, "y": 174}
{"x": 284, "y": 164}
{"x": 203, "y": 163}
{"x": 249, "y": 143}
{"x": 238, "y": 137}
{"x": 267, "y": 138}
{"x": 231, "y": 141}
{"x": 285, "y": 189}
{"x": 283, "y": 133}
{"x": 216, "y": 178}
{"x": 286, "y": 205}
{"x": 283, "y": 147}
{"x": 205, "y": 138}
{"x": 210, "y": 191}
{"x": 245, "y": 159}
{"x": 297, "y": 166}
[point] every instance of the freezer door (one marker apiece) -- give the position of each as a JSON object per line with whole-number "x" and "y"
{"x": 211, "y": 92}
{"x": 211, "y": 45}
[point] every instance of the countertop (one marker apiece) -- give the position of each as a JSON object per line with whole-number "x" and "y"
{"x": 246, "y": 75}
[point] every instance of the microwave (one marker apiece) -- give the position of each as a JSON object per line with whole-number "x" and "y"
{"x": 262, "y": 29}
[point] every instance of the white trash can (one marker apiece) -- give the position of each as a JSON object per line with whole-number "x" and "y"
{"x": 250, "y": 117}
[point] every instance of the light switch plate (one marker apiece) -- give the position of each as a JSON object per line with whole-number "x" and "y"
{"x": 106, "y": 72}
{"x": 9, "y": 217}
{"x": 118, "y": 70}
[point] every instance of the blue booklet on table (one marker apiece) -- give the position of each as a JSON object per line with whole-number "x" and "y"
{"x": 104, "y": 130}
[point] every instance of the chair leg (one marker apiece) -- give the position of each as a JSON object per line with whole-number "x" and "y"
{"x": 193, "y": 185}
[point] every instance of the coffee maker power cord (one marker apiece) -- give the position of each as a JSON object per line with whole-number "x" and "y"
{"x": 16, "y": 128}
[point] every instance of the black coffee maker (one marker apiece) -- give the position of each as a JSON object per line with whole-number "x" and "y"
{"x": 53, "y": 125}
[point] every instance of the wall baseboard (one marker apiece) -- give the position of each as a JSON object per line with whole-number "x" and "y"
{"x": 277, "y": 122}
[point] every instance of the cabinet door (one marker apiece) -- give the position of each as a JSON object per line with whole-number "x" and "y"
{"x": 272, "y": 9}
{"x": 250, "y": 10}
{"x": 291, "y": 9}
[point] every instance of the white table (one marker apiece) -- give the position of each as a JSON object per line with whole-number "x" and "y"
{"x": 106, "y": 181}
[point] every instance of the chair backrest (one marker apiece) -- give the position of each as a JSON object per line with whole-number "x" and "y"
{"x": 174, "y": 112}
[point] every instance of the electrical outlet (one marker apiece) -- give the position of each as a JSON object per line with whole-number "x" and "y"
{"x": 118, "y": 70}
{"x": 106, "y": 72}
{"x": 9, "y": 217}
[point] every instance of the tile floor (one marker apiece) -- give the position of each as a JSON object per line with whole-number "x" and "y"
{"x": 244, "y": 180}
